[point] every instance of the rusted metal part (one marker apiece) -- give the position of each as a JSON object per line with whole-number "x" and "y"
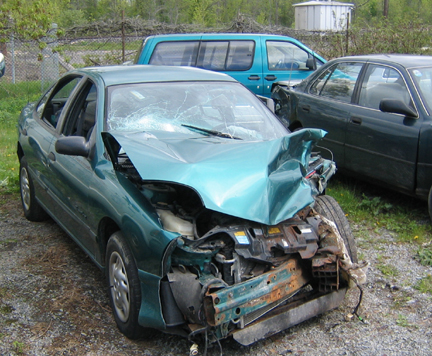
{"x": 325, "y": 268}
{"x": 288, "y": 317}
{"x": 231, "y": 303}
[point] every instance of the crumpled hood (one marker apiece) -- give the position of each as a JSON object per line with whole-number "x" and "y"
{"x": 258, "y": 181}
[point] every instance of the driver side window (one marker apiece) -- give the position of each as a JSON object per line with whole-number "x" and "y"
{"x": 52, "y": 103}
{"x": 285, "y": 56}
{"x": 81, "y": 117}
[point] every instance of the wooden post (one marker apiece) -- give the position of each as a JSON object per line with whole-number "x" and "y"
{"x": 386, "y": 8}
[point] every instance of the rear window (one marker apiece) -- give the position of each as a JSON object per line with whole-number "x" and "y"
{"x": 213, "y": 55}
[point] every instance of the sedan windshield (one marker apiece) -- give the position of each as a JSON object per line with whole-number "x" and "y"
{"x": 222, "y": 109}
{"x": 423, "y": 79}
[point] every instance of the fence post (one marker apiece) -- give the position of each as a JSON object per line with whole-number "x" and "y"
{"x": 13, "y": 57}
{"x": 50, "y": 69}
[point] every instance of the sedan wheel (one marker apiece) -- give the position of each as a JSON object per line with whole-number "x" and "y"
{"x": 124, "y": 286}
{"x": 119, "y": 284}
{"x": 32, "y": 209}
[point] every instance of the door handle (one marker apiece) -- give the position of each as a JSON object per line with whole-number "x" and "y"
{"x": 306, "y": 108}
{"x": 254, "y": 77}
{"x": 51, "y": 156}
{"x": 356, "y": 120}
{"x": 270, "y": 78}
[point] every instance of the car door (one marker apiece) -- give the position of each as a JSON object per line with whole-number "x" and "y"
{"x": 41, "y": 132}
{"x": 70, "y": 176}
{"x": 326, "y": 104}
{"x": 284, "y": 61}
{"x": 381, "y": 145}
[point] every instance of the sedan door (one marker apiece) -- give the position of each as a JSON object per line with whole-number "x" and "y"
{"x": 70, "y": 176}
{"x": 326, "y": 104}
{"x": 381, "y": 145}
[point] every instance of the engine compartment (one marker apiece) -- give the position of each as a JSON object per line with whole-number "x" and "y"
{"x": 226, "y": 273}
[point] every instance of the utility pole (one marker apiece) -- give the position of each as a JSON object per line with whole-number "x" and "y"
{"x": 386, "y": 8}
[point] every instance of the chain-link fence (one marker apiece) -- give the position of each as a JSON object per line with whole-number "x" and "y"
{"x": 103, "y": 44}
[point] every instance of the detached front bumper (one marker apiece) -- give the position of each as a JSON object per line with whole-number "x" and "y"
{"x": 285, "y": 317}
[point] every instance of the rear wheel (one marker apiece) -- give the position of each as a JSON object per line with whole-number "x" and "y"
{"x": 32, "y": 209}
{"x": 329, "y": 208}
{"x": 123, "y": 286}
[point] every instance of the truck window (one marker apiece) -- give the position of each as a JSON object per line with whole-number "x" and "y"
{"x": 285, "y": 56}
{"x": 226, "y": 55}
{"x": 176, "y": 53}
{"x": 212, "y": 55}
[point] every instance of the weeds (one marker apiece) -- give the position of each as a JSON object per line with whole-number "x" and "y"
{"x": 18, "y": 346}
{"x": 374, "y": 208}
{"x": 9, "y": 113}
{"x": 425, "y": 284}
{"x": 424, "y": 256}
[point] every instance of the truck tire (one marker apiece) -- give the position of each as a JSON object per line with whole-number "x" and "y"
{"x": 329, "y": 208}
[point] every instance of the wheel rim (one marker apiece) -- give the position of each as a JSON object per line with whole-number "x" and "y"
{"x": 25, "y": 189}
{"x": 119, "y": 285}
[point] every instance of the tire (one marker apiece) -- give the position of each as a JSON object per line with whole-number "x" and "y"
{"x": 329, "y": 208}
{"x": 124, "y": 287}
{"x": 32, "y": 209}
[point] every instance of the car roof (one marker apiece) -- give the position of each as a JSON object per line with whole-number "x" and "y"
{"x": 130, "y": 74}
{"x": 217, "y": 35}
{"x": 406, "y": 60}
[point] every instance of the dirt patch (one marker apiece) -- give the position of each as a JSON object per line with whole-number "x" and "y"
{"x": 53, "y": 302}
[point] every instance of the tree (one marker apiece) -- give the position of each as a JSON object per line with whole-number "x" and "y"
{"x": 26, "y": 19}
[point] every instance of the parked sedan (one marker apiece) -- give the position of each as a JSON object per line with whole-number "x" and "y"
{"x": 204, "y": 211}
{"x": 377, "y": 112}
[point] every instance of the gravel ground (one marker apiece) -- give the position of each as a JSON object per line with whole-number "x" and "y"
{"x": 53, "y": 302}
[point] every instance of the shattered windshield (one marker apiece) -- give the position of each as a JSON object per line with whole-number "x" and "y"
{"x": 423, "y": 79}
{"x": 222, "y": 109}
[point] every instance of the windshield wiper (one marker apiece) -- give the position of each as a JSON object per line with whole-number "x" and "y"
{"x": 212, "y": 132}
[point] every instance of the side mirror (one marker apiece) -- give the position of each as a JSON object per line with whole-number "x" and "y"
{"x": 72, "y": 146}
{"x": 2, "y": 65}
{"x": 397, "y": 106}
{"x": 268, "y": 102}
{"x": 311, "y": 63}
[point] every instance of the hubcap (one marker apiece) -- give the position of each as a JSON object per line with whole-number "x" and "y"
{"x": 119, "y": 284}
{"x": 25, "y": 189}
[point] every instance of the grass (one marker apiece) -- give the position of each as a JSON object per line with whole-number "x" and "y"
{"x": 14, "y": 98}
{"x": 375, "y": 209}
{"x": 425, "y": 284}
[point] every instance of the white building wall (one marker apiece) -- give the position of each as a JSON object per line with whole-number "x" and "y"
{"x": 322, "y": 15}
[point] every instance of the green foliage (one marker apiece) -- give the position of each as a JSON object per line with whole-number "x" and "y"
{"x": 27, "y": 19}
{"x": 18, "y": 95}
{"x": 18, "y": 347}
{"x": 407, "y": 35}
{"x": 424, "y": 256}
{"x": 374, "y": 209}
{"x": 425, "y": 284}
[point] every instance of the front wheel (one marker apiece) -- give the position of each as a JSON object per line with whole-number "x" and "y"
{"x": 32, "y": 209}
{"x": 123, "y": 286}
{"x": 329, "y": 208}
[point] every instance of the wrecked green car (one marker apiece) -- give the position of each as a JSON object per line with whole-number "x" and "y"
{"x": 206, "y": 214}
